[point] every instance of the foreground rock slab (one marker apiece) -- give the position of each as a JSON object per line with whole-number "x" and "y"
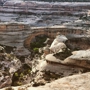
{"x": 75, "y": 82}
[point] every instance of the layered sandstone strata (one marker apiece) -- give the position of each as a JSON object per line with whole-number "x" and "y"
{"x": 13, "y": 35}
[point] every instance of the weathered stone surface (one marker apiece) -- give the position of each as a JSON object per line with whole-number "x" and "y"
{"x": 75, "y": 82}
{"x": 80, "y": 58}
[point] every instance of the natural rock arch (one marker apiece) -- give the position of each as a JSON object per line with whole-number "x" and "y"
{"x": 33, "y": 35}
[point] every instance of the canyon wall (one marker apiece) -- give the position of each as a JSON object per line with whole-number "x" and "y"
{"x": 45, "y": 8}
{"x": 20, "y": 35}
{"x": 13, "y": 35}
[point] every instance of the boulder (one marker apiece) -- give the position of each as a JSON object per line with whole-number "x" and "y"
{"x": 58, "y": 44}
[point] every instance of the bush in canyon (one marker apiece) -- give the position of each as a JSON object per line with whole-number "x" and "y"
{"x": 36, "y": 50}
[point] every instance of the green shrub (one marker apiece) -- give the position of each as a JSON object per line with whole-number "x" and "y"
{"x": 21, "y": 75}
{"x": 36, "y": 50}
{"x": 29, "y": 71}
{"x": 19, "y": 83}
{"x": 16, "y": 74}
